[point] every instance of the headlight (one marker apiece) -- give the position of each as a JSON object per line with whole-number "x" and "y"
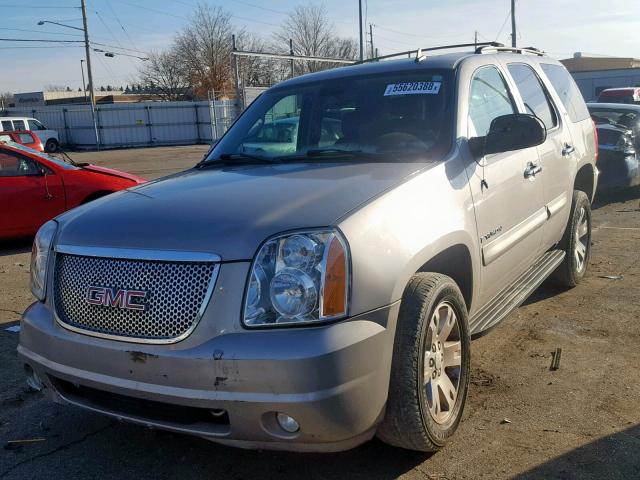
{"x": 40, "y": 259}
{"x": 298, "y": 278}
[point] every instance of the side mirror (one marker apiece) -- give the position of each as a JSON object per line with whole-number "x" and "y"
{"x": 515, "y": 131}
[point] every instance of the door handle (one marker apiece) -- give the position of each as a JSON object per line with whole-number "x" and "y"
{"x": 532, "y": 170}
{"x": 568, "y": 150}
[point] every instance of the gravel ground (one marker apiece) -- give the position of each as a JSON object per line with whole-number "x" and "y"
{"x": 522, "y": 420}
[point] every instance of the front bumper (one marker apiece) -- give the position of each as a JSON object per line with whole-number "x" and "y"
{"x": 333, "y": 380}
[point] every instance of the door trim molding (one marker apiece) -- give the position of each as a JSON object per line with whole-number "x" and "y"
{"x": 498, "y": 247}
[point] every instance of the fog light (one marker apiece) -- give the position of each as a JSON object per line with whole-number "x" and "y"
{"x": 287, "y": 423}
{"x": 218, "y": 412}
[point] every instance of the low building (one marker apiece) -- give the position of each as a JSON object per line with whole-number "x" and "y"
{"x": 40, "y": 99}
{"x": 594, "y": 74}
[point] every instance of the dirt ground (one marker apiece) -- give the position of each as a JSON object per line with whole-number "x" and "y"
{"x": 522, "y": 420}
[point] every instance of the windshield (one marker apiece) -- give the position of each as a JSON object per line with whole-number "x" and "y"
{"x": 398, "y": 114}
{"x": 50, "y": 158}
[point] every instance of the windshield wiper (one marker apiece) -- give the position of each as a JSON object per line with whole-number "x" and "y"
{"x": 236, "y": 158}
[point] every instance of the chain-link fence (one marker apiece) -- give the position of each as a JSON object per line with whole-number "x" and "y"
{"x": 135, "y": 124}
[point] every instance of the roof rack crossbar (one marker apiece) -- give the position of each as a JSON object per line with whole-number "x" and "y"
{"x": 411, "y": 53}
{"x": 502, "y": 48}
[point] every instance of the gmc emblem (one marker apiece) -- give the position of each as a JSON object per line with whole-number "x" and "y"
{"x": 116, "y": 297}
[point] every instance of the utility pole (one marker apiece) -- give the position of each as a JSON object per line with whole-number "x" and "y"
{"x": 371, "y": 38}
{"x": 291, "y": 53}
{"x": 236, "y": 74}
{"x": 84, "y": 85}
{"x": 361, "y": 32}
{"x": 89, "y": 72}
{"x": 513, "y": 23}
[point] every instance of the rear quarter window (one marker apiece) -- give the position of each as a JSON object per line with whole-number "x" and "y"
{"x": 567, "y": 90}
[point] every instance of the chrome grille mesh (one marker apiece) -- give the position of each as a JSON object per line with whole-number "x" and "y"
{"x": 176, "y": 292}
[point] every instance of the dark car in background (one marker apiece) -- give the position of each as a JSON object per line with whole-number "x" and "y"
{"x": 618, "y": 127}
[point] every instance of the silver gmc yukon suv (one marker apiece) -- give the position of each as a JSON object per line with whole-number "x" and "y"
{"x": 316, "y": 279}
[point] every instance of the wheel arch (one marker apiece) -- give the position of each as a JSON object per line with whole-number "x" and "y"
{"x": 455, "y": 262}
{"x": 585, "y": 180}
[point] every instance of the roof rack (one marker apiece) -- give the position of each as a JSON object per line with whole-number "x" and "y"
{"x": 502, "y": 48}
{"x": 419, "y": 52}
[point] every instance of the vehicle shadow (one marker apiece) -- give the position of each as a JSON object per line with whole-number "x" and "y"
{"x": 616, "y": 196}
{"x": 15, "y": 246}
{"x": 543, "y": 292}
{"x": 612, "y": 457}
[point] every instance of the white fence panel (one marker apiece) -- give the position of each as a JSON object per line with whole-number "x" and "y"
{"x": 134, "y": 124}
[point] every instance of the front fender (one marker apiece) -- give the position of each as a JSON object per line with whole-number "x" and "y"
{"x": 394, "y": 235}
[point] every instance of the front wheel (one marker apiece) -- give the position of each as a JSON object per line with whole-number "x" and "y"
{"x": 430, "y": 366}
{"x": 576, "y": 243}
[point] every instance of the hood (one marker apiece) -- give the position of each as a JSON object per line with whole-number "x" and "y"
{"x": 111, "y": 172}
{"x": 228, "y": 211}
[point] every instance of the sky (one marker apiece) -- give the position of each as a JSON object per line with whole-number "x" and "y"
{"x": 559, "y": 27}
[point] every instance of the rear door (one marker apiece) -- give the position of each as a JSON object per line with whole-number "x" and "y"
{"x": 556, "y": 153}
{"x": 28, "y": 198}
{"x": 509, "y": 207}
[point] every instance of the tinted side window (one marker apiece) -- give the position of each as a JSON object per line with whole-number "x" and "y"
{"x": 14, "y": 165}
{"x": 7, "y": 126}
{"x": 533, "y": 94}
{"x": 489, "y": 99}
{"x": 567, "y": 90}
{"x": 19, "y": 125}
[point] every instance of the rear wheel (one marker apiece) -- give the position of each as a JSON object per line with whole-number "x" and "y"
{"x": 430, "y": 366}
{"x": 51, "y": 145}
{"x": 576, "y": 243}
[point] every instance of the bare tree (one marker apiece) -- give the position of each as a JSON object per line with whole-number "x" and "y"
{"x": 204, "y": 48}
{"x": 6, "y": 99}
{"x": 257, "y": 71}
{"x": 313, "y": 34}
{"x": 165, "y": 73}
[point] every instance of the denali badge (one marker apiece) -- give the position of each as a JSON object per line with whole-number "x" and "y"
{"x": 116, "y": 297}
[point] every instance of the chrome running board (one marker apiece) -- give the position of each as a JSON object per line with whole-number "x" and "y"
{"x": 512, "y": 296}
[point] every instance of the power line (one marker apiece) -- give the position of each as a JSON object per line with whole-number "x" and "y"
{"x": 45, "y": 40}
{"x": 504, "y": 23}
{"x": 112, "y": 35}
{"x": 119, "y": 48}
{"x": 40, "y": 46}
{"x": 41, "y": 31}
{"x": 33, "y": 6}
{"x": 119, "y": 22}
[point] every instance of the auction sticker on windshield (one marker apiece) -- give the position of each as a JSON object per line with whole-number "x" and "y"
{"x": 412, "y": 88}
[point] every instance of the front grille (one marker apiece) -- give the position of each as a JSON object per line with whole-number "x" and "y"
{"x": 175, "y": 294}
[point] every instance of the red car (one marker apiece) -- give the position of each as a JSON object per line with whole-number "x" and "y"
{"x": 35, "y": 187}
{"x": 23, "y": 137}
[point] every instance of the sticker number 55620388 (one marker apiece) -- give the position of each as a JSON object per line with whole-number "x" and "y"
{"x": 412, "y": 88}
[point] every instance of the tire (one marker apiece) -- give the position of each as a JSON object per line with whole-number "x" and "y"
{"x": 576, "y": 243}
{"x": 51, "y": 146}
{"x": 412, "y": 420}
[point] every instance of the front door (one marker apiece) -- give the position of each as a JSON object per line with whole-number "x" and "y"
{"x": 509, "y": 204}
{"x": 29, "y": 195}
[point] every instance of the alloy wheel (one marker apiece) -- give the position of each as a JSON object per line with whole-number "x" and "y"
{"x": 581, "y": 241}
{"x": 442, "y": 362}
